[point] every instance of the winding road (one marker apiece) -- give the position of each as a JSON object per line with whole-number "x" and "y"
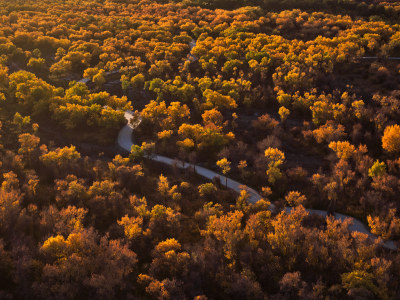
{"x": 125, "y": 142}
{"x": 382, "y": 58}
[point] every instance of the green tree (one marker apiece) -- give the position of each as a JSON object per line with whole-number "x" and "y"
{"x": 377, "y": 169}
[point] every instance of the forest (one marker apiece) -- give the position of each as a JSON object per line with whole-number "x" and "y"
{"x": 295, "y": 102}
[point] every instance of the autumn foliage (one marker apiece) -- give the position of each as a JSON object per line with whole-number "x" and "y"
{"x": 298, "y": 100}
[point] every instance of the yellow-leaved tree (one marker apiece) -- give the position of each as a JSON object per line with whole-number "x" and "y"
{"x": 275, "y": 159}
{"x": 391, "y": 139}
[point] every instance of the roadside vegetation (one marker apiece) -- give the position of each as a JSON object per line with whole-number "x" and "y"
{"x": 299, "y": 100}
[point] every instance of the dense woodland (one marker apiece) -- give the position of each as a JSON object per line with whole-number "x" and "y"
{"x": 298, "y": 99}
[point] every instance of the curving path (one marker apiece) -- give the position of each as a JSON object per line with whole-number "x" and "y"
{"x": 382, "y": 58}
{"x": 125, "y": 142}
